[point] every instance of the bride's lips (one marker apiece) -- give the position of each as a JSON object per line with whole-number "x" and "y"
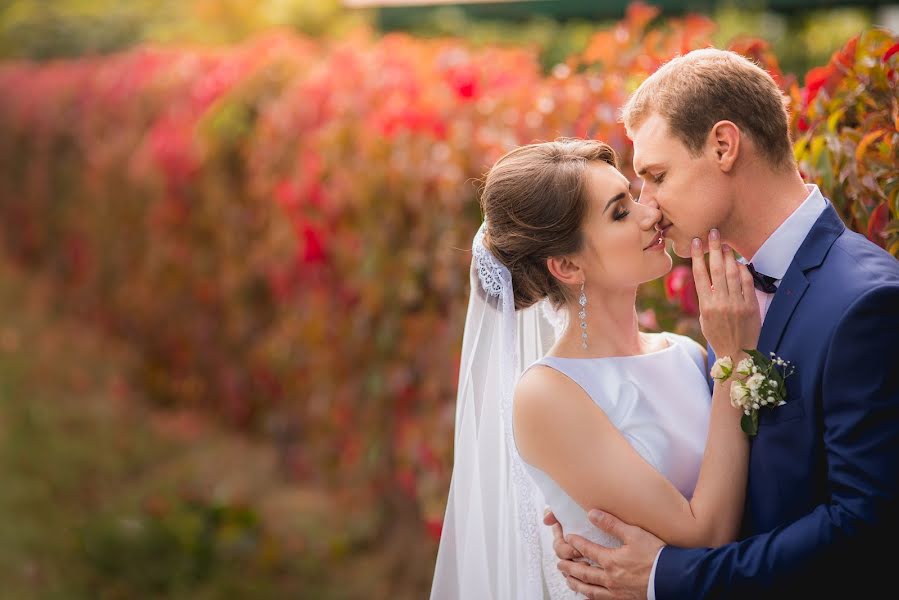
{"x": 657, "y": 242}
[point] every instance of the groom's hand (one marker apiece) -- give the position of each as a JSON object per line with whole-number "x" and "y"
{"x": 620, "y": 572}
{"x": 563, "y": 549}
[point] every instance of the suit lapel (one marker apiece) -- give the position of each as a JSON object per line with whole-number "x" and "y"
{"x": 789, "y": 292}
{"x": 794, "y": 284}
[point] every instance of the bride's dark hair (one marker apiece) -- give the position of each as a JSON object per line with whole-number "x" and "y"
{"x": 534, "y": 201}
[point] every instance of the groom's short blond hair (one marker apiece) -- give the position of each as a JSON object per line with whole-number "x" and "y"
{"x": 694, "y": 91}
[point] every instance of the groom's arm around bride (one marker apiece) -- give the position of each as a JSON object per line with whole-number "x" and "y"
{"x": 836, "y": 546}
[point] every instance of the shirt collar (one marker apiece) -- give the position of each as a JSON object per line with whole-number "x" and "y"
{"x": 777, "y": 252}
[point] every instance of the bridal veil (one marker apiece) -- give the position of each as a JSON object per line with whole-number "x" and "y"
{"x": 493, "y": 541}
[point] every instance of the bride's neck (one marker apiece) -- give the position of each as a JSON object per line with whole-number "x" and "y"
{"x": 612, "y": 328}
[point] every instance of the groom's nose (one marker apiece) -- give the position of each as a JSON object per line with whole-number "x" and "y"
{"x": 647, "y": 200}
{"x": 651, "y": 216}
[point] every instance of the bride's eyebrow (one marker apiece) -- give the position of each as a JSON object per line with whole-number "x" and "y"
{"x": 618, "y": 197}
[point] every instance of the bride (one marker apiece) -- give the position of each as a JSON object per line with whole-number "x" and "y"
{"x": 562, "y": 401}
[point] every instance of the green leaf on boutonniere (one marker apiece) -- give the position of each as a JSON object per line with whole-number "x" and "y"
{"x": 750, "y": 423}
{"x": 759, "y": 386}
{"x": 757, "y": 357}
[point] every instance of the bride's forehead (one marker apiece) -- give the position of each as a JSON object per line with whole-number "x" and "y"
{"x": 603, "y": 178}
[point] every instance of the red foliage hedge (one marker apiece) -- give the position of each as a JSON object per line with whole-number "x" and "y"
{"x": 281, "y": 229}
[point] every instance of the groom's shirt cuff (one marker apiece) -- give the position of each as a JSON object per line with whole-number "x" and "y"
{"x": 651, "y": 588}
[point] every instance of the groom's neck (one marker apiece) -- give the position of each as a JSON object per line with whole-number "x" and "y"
{"x": 762, "y": 203}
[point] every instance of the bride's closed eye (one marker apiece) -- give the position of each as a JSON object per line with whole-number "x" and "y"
{"x": 620, "y": 212}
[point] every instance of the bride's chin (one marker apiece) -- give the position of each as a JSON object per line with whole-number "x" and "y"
{"x": 668, "y": 265}
{"x": 660, "y": 271}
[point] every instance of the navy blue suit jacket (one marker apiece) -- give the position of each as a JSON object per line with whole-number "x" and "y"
{"x": 824, "y": 468}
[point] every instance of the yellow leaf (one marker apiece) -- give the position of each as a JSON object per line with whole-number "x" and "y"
{"x": 799, "y": 147}
{"x": 816, "y": 147}
{"x": 894, "y": 248}
{"x": 833, "y": 119}
{"x": 865, "y": 142}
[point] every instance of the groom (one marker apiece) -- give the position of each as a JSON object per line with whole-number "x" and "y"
{"x": 712, "y": 145}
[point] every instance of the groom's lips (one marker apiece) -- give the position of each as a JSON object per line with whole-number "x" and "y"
{"x": 660, "y": 237}
{"x": 664, "y": 229}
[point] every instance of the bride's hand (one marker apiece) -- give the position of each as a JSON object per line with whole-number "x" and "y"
{"x": 728, "y": 307}
{"x": 563, "y": 549}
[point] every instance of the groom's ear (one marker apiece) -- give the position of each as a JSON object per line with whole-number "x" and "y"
{"x": 724, "y": 140}
{"x": 565, "y": 270}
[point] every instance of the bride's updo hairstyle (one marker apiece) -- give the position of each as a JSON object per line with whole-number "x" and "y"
{"x": 534, "y": 200}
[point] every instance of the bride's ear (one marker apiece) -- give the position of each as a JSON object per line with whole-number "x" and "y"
{"x": 565, "y": 270}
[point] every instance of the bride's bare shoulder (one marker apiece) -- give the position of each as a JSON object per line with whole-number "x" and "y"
{"x": 541, "y": 391}
{"x": 547, "y": 407}
{"x": 539, "y": 378}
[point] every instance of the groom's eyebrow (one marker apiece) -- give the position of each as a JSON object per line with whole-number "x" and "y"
{"x": 646, "y": 169}
{"x": 617, "y": 198}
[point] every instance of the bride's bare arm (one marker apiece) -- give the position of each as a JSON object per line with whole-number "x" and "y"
{"x": 561, "y": 431}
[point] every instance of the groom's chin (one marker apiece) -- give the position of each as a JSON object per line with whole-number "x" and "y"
{"x": 682, "y": 250}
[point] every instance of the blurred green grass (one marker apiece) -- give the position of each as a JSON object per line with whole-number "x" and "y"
{"x": 40, "y": 29}
{"x": 103, "y": 497}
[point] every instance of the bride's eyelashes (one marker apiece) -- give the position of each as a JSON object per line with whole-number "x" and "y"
{"x": 657, "y": 179}
{"x": 620, "y": 213}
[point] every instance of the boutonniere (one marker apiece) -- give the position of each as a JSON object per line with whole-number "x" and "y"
{"x": 758, "y": 383}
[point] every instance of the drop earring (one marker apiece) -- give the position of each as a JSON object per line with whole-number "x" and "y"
{"x": 583, "y": 315}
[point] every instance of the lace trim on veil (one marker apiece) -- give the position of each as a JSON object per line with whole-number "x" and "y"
{"x": 496, "y": 280}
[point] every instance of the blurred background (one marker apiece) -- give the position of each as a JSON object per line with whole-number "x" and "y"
{"x": 234, "y": 244}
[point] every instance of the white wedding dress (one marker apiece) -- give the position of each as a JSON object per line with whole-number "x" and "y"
{"x": 493, "y": 545}
{"x": 660, "y": 402}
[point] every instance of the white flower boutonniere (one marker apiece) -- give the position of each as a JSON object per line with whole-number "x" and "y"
{"x": 758, "y": 383}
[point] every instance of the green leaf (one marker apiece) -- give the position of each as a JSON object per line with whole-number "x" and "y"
{"x": 760, "y": 360}
{"x": 776, "y": 375}
{"x": 750, "y": 424}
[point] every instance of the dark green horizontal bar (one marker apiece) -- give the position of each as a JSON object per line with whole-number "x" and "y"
{"x": 402, "y": 17}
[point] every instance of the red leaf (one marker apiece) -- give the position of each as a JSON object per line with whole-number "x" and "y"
{"x": 681, "y": 289}
{"x": 889, "y": 53}
{"x": 815, "y": 80}
{"x": 846, "y": 56}
{"x": 313, "y": 245}
{"x": 464, "y": 80}
{"x": 876, "y": 224}
{"x": 435, "y": 528}
{"x": 639, "y": 14}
